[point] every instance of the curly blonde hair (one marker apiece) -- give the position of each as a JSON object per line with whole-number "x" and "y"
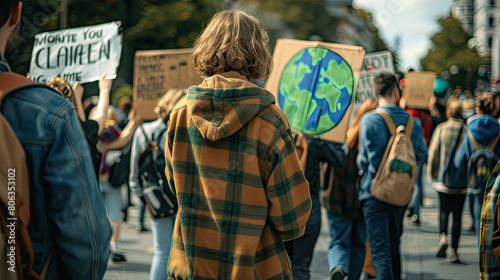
{"x": 233, "y": 41}
{"x": 486, "y": 103}
{"x": 63, "y": 87}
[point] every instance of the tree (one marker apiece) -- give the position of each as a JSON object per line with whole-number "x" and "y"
{"x": 380, "y": 44}
{"x": 147, "y": 24}
{"x": 449, "y": 47}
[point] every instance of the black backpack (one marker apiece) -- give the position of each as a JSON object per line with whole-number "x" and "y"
{"x": 155, "y": 190}
{"x": 120, "y": 170}
{"x": 481, "y": 163}
{"x": 450, "y": 175}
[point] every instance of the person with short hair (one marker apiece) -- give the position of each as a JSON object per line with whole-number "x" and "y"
{"x": 383, "y": 221}
{"x": 68, "y": 227}
{"x": 232, "y": 163}
{"x": 451, "y": 200}
{"x": 483, "y": 127}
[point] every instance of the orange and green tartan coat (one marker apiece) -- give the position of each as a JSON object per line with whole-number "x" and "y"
{"x": 232, "y": 164}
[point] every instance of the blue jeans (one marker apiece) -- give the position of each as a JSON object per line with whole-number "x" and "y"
{"x": 347, "y": 245}
{"x": 142, "y": 212}
{"x": 162, "y": 240}
{"x": 476, "y": 207}
{"x": 301, "y": 250}
{"x": 417, "y": 198}
{"x": 384, "y": 225}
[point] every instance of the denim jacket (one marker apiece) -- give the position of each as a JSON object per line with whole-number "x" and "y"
{"x": 68, "y": 217}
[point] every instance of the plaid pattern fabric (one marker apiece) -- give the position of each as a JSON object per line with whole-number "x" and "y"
{"x": 241, "y": 191}
{"x": 342, "y": 188}
{"x": 109, "y": 134}
{"x": 443, "y": 138}
{"x": 488, "y": 264}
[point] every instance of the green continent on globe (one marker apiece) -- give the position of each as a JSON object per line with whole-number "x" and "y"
{"x": 316, "y": 90}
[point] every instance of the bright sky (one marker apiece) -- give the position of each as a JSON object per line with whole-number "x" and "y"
{"x": 413, "y": 20}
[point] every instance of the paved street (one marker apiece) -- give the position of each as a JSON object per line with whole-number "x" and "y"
{"x": 418, "y": 248}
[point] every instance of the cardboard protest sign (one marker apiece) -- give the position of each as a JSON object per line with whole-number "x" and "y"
{"x": 373, "y": 65}
{"x": 315, "y": 85}
{"x": 79, "y": 54}
{"x": 418, "y": 89}
{"x": 155, "y": 72}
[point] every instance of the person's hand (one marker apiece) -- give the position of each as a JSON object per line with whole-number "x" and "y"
{"x": 78, "y": 89}
{"x": 135, "y": 117}
{"x": 432, "y": 103}
{"x": 105, "y": 84}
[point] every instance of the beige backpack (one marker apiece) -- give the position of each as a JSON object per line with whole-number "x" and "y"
{"x": 397, "y": 172}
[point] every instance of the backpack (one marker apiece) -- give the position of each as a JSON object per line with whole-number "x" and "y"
{"x": 155, "y": 190}
{"x": 450, "y": 175}
{"x": 120, "y": 170}
{"x": 16, "y": 250}
{"x": 397, "y": 172}
{"x": 481, "y": 163}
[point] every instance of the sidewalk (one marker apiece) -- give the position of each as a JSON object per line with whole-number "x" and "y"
{"x": 419, "y": 245}
{"x": 418, "y": 248}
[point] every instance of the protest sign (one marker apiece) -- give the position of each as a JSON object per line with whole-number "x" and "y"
{"x": 77, "y": 55}
{"x": 158, "y": 71}
{"x": 418, "y": 89}
{"x": 315, "y": 85}
{"x": 373, "y": 65}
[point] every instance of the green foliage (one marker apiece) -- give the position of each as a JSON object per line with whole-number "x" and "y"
{"x": 449, "y": 47}
{"x": 380, "y": 44}
{"x": 147, "y": 24}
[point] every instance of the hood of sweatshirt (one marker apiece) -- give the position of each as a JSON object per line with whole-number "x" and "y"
{"x": 224, "y": 103}
{"x": 483, "y": 127}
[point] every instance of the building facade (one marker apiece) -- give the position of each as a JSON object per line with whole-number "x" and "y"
{"x": 487, "y": 33}
{"x": 463, "y": 10}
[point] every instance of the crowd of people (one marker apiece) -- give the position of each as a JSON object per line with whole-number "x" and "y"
{"x": 232, "y": 192}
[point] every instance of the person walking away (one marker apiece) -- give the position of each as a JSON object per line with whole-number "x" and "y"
{"x": 232, "y": 163}
{"x": 346, "y": 250}
{"x": 111, "y": 141}
{"x": 384, "y": 221}
{"x": 146, "y": 133}
{"x": 301, "y": 250}
{"x": 479, "y": 152}
{"x": 71, "y": 233}
{"x": 444, "y": 144}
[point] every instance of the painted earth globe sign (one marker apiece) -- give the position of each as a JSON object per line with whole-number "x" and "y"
{"x": 315, "y": 90}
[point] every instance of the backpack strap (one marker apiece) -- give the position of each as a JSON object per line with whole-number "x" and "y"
{"x": 493, "y": 143}
{"x": 392, "y": 126}
{"x": 477, "y": 146}
{"x": 11, "y": 82}
{"x": 158, "y": 138}
{"x": 145, "y": 136}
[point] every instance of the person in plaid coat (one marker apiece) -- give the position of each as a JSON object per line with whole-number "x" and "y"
{"x": 232, "y": 163}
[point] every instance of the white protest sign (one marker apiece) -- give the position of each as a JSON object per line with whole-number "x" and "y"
{"x": 79, "y": 54}
{"x": 373, "y": 64}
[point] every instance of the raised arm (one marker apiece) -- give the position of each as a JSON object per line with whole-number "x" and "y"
{"x": 78, "y": 89}
{"x": 101, "y": 114}
{"x": 124, "y": 138}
